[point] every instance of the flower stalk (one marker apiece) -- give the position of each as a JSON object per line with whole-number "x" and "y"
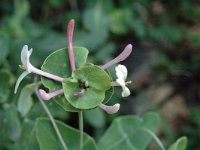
{"x": 80, "y": 116}
{"x": 51, "y": 118}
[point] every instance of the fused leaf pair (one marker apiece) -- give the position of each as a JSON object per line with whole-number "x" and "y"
{"x": 87, "y": 78}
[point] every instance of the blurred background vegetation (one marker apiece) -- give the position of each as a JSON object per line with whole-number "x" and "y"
{"x": 164, "y": 66}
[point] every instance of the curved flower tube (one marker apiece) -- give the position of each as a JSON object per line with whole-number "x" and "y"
{"x": 48, "y": 96}
{"x": 110, "y": 109}
{"x": 25, "y": 59}
{"x": 121, "y": 72}
{"x": 121, "y": 57}
{"x": 70, "y": 30}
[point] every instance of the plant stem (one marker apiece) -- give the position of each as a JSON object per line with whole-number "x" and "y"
{"x": 155, "y": 138}
{"x": 80, "y": 116}
{"x": 50, "y": 117}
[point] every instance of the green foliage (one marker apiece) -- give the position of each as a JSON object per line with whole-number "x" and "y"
{"x": 25, "y": 99}
{"x": 3, "y": 48}
{"x": 119, "y": 19}
{"x": 126, "y": 133}
{"x": 180, "y": 144}
{"x": 95, "y": 117}
{"x": 172, "y": 28}
{"x": 27, "y": 139}
{"x": 11, "y": 125}
{"x": 5, "y": 80}
{"x": 95, "y": 81}
{"x": 58, "y": 63}
{"x": 48, "y": 139}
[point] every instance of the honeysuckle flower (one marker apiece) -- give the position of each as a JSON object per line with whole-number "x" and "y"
{"x": 122, "y": 56}
{"x": 121, "y": 72}
{"x": 28, "y": 67}
{"x": 89, "y": 85}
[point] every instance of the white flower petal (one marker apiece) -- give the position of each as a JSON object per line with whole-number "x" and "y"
{"x": 28, "y": 64}
{"x": 121, "y": 72}
{"x": 121, "y": 82}
{"x": 24, "y": 54}
{"x": 126, "y": 92}
{"x": 21, "y": 77}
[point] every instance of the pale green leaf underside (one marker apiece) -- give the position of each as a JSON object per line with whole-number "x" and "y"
{"x": 48, "y": 140}
{"x": 58, "y": 63}
{"x": 25, "y": 100}
{"x": 126, "y": 133}
{"x": 180, "y": 144}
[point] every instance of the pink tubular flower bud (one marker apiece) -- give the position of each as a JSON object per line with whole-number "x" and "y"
{"x": 110, "y": 109}
{"x": 48, "y": 96}
{"x": 70, "y": 30}
{"x": 121, "y": 57}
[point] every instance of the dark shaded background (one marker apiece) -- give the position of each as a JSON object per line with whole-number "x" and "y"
{"x": 164, "y": 67}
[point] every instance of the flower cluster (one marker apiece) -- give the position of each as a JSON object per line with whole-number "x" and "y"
{"x": 88, "y": 85}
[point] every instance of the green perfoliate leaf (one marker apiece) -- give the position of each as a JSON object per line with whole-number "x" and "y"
{"x": 58, "y": 63}
{"x": 48, "y": 140}
{"x": 91, "y": 98}
{"x": 94, "y": 76}
{"x": 90, "y": 79}
{"x": 126, "y": 133}
{"x": 180, "y": 144}
{"x": 25, "y": 100}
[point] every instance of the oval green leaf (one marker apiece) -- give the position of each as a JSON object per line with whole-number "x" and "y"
{"x": 25, "y": 100}
{"x": 48, "y": 140}
{"x": 126, "y": 133}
